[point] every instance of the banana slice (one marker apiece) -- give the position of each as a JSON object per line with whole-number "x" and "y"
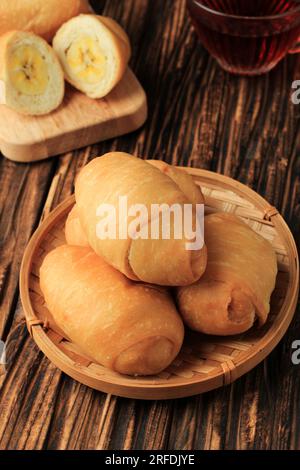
{"x": 31, "y": 77}
{"x": 86, "y": 59}
{"x": 94, "y": 53}
{"x": 28, "y": 70}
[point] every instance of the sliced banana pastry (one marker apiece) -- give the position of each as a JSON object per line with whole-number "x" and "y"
{"x": 31, "y": 77}
{"x": 94, "y": 52}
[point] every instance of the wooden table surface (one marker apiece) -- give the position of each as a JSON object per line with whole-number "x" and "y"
{"x": 198, "y": 116}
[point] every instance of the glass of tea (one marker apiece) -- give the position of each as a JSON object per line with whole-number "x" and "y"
{"x": 247, "y": 37}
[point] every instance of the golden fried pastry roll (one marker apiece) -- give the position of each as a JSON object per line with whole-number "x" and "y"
{"x": 94, "y": 52}
{"x": 164, "y": 261}
{"x": 74, "y": 232}
{"x": 238, "y": 282}
{"x": 129, "y": 327}
{"x": 42, "y": 17}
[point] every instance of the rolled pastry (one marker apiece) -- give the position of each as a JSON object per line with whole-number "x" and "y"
{"x": 94, "y": 52}
{"x": 238, "y": 282}
{"x": 126, "y": 326}
{"x": 73, "y": 230}
{"x": 42, "y": 17}
{"x": 31, "y": 78}
{"x": 156, "y": 261}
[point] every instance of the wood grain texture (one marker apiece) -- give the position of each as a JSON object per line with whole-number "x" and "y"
{"x": 202, "y": 117}
{"x": 78, "y": 122}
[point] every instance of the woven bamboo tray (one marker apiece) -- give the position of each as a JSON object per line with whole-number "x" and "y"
{"x": 205, "y": 362}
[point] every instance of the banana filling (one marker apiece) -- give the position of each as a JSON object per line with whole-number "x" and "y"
{"x": 86, "y": 59}
{"x": 28, "y": 70}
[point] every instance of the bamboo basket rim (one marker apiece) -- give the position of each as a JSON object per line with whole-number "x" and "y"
{"x": 139, "y": 387}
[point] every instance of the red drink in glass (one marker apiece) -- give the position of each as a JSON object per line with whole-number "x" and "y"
{"x": 247, "y": 37}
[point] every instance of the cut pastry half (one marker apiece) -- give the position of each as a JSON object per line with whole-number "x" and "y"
{"x": 94, "y": 53}
{"x": 31, "y": 78}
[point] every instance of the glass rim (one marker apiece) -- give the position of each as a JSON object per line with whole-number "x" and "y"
{"x": 244, "y": 17}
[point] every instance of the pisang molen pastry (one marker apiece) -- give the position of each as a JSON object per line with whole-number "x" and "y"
{"x": 94, "y": 53}
{"x": 74, "y": 232}
{"x": 236, "y": 287}
{"x": 126, "y": 326}
{"x": 42, "y": 17}
{"x": 31, "y": 77}
{"x": 163, "y": 261}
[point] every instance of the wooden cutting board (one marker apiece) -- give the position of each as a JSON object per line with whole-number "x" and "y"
{"x": 78, "y": 122}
